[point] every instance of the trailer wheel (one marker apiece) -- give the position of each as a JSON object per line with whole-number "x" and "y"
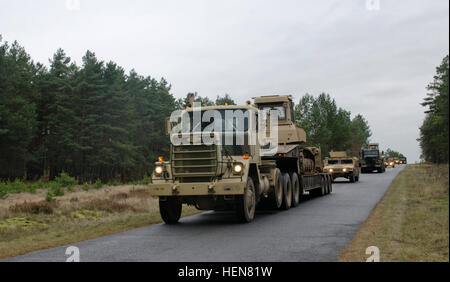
{"x": 323, "y": 188}
{"x": 246, "y": 204}
{"x": 287, "y": 192}
{"x": 331, "y": 185}
{"x": 295, "y": 189}
{"x": 276, "y": 195}
{"x": 170, "y": 209}
{"x": 301, "y": 189}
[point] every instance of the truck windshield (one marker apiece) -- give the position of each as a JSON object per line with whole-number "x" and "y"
{"x": 333, "y": 162}
{"x": 232, "y": 120}
{"x": 281, "y": 110}
{"x": 347, "y": 161}
{"x": 370, "y": 153}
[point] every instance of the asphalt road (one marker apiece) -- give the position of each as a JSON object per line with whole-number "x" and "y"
{"x": 317, "y": 230}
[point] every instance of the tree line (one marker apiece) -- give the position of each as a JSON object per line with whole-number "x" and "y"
{"x": 95, "y": 121}
{"x": 330, "y": 127}
{"x": 92, "y": 121}
{"x": 393, "y": 154}
{"x": 434, "y": 139}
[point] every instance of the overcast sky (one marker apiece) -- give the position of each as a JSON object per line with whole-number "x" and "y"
{"x": 376, "y": 62}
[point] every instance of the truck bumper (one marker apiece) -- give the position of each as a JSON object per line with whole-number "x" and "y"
{"x": 341, "y": 174}
{"x": 197, "y": 189}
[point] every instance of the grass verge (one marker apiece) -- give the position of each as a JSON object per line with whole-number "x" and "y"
{"x": 411, "y": 222}
{"x": 29, "y": 223}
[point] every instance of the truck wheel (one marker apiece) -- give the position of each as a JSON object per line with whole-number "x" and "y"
{"x": 276, "y": 195}
{"x": 331, "y": 185}
{"x": 352, "y": 178}
{"x": 301, "y": 189}
{"x": 357, "y": 178}
{"x": 287, "y": 192}
{"x": 322, "y": 190}
{"x": 170, "y": 209}
{"x": 295, "y": 189}
{"x": 246, "y": 204}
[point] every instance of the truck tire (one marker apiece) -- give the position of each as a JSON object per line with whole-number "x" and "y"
{"x": 331, "y": 185}
{"x": 287, "y": 192}
{"x": 302, "y": 189}
{"x": 352, "y": 178}
{"x": 276, "y": 195}
{"x": 295, "y": 189}
{"x": 357, "y": 178}
{"x": 320, "y": 191}
{"x": 246, "y": 204}
{"x": 170, "y": 209}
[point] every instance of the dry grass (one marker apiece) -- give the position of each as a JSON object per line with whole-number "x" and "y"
{"x": 28, "y": 223}
{"x": 411, "y": 222}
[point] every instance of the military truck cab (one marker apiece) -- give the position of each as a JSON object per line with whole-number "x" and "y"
{"x": 372, "y": 159}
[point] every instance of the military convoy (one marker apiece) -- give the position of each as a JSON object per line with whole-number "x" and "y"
{"x": 239, "y": 177}
{"x": 341, "y": 165}
{"x": 372, "y": 159}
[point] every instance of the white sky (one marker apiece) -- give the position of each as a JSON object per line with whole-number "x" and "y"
{"x": 373, "y": 62}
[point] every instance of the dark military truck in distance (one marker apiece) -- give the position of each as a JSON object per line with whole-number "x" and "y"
{"x": 238, "y": 177}
{"x": 372, "y": 159}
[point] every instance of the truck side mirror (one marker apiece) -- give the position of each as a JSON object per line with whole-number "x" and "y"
{"x": 168, "y": 126}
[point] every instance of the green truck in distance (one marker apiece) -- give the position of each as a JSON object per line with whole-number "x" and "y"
{"x": 372, "y": 159}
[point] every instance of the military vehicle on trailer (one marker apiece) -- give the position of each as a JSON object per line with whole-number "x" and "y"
{"x": 239, "y": 177}
{"x": 372, "y": 159}
{"x": 341, "y": 165}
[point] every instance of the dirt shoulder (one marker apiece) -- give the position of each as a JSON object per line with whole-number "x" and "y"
{"x": 411, "y": 222}
{"x": 29, "y": 223}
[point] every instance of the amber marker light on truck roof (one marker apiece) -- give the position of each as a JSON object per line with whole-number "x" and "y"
{"x": 160, "y": 159}
{"x": 246, "y": 157}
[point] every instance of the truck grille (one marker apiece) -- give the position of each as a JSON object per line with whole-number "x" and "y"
{"x": 194, "y": 161}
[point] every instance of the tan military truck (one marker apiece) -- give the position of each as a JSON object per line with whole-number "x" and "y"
{"x": 239, "y": 177}
{"x": 390, "y": 162}
{"x": 341, "y": 165}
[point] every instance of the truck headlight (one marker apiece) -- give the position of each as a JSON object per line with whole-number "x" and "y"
{"x": 159, "y": 170}
{"x": 331, "y": 170}
{"x": 344, "y": 170}
{"x": 237, "y": 168}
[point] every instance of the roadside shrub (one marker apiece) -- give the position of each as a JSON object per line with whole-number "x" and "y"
{"x": 85, "y": 187}
{"x": 98, "y": 184}
{"x": 42, "y": 207}
{"x": 49, "y": 197}
{"x": 65, "y": 180}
